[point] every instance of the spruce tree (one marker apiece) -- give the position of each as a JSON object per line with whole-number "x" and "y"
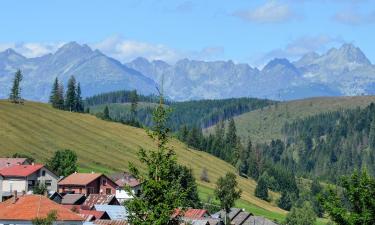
{"x": 56, "y": 98}
{"x": 70, "y": 99}
{"x": 60, "y": 97}
{"x": 372, "y": 135}
{"x": 231, "y": 136}
{"x": 134, "y": 104}
{"x": 162, "y": 188}
{"x": 78, "y": 102}
{"x": 261, "y": 190}
{"x": 15, "y": 92}
{"x": 106, "y": 113}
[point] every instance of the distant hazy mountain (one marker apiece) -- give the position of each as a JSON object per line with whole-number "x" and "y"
{"x": 343, "y": 71}
{"x": 96, "y": 72}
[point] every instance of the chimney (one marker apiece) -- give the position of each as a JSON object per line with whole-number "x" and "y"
{"x": 32, "y": 163}
{"x": 14, "y": 196}
{"x": 8, "y": 164}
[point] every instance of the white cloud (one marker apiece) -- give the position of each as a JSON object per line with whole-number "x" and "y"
{"x": 121, "y": 49}
{"x": 270, "y": 12}
{"x": 126, "y": 50}
{"x": 299, "y": 47}
{"x": 32, "y": 49}
{"x": 353, "y": 17}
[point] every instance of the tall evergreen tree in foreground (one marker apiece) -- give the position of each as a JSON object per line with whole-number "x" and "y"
{"x": 71, "y": 97}
{"x": 15, "y": 92}
{"x": 165, "y": 186}
{"x": 226, "y": 191}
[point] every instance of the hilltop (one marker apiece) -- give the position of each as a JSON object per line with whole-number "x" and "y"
{"x": 263, "y": 125}
{"x": 38, "y": 130}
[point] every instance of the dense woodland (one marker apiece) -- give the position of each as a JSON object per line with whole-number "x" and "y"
{"x": 198, "y": 113}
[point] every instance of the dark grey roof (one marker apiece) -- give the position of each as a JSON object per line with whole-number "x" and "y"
{"x": 240, "y": 217}
{"x": 72, "y": 199}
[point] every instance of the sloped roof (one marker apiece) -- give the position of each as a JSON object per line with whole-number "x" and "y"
{"x": 190, "y": 213}
{"x": 111, "y": 222}
{"x": 20, "y": 170}
{"x": 4, "y": 162}
{"x": 125, "y": 179}
{"x": 72, "y": 199}
{"x": 115, "y": 212}
{"x": 90, "y": 215}
{"x": 97, "y": 199}
{"x": 258, "y": 220}
{"x": 28, "y": 207}
{"x": 80, "y": 179}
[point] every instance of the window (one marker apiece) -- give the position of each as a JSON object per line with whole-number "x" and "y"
{"x": 48, "y": 183}
{"x": 80, "y": 190}
{"x": 90, "y": 190}
{"x": 108, "y": 191}
{"x": 104, "y": 182}
{"x": 43, "y": 173}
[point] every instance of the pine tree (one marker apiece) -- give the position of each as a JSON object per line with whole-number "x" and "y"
{"x": 231, "y": 136}
{"x": 15, "y": 93}
{"x": 372, "y": 135}
{"x": 78, "y": 102}
{"x": 261, "y": 190}
{"x": 57, "y": 95}
{"x": 164, "y": 188}
{"x": 134, "y": 104}
{"x": 70, "y": 99}
{"x": 106, "y": 113}
{"x": 60, "y": 97}
{"x": 285, "y": 201}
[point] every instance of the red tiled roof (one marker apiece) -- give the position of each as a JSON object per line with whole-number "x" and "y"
{"x": 29, "y": 207}
{"x": 190, "y": 213}
{"x": 125, "y": 179}
{"x": 20, "y": 170}
{"x": 80, "y": 179}
{"x": 4, "y": 162}
{"x": 97, "y": 214}
{"x": 98, "y": 199}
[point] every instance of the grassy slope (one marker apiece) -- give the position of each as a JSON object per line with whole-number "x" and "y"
{"x": 39, "y": 130}
{"x": 265, "y": 124}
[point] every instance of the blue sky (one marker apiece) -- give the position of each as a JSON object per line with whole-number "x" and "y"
{"x": 243, "y": 31}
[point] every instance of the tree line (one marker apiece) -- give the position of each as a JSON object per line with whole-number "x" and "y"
{"x": 71, "y": 100}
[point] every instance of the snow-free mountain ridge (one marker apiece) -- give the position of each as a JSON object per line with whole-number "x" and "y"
{"x": 342, "y": 71}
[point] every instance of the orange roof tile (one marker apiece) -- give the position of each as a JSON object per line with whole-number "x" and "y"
{"x": 80, "y": 179}
{"x": 29, "y": 207}
{"x": 20, "y": 170}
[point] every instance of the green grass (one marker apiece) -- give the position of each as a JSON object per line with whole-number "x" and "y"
{"x": 265, "y": 124}
{"x": 39, "y": 130}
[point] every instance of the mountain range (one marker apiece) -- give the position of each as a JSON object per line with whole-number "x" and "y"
{"x": 339, "y": 71}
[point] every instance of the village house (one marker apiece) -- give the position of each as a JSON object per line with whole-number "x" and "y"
{"x": 7, "y": 162}
{"x": 239, "y": 217}
{"x": 24, "y": 178}
{"x": 23, "y": 209}
{"x": 123, "y": 180}
{"x": 98, "y": 199}
{"x": 86, "y": 184}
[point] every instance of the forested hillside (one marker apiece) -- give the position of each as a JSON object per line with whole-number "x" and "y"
{"x": 331, "y": 144}
{"x": 199, "y": 113}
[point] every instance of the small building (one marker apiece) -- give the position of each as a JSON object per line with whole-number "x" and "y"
{"x": 23, "y": 209}
{"x": 92, "y": 215}
{"x": 7, "y": 162}
{"x": 73, "y": 199}
{"x": 115, "y": 212}
{"x": 239, "y": 216}
{"x": 123, "y": 180}
{"x": 56, "y": 197}
{"x": 24, "y": 178}
{"x": 97, "y": 199}
{"x": 87, "y": 183}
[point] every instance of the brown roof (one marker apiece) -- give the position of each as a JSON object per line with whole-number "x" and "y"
{"x": 98, "y": 199}
{"x": 4, "y": 162}
{"x": 29, "y": 207}
{"x": 80, "y": 179}
{"x": 125, "y": 179}
{"x": 110, "y": 222}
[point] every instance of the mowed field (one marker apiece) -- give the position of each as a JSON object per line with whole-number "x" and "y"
{"x": 265, "y": 124}
{"x": 38, "y": 130}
